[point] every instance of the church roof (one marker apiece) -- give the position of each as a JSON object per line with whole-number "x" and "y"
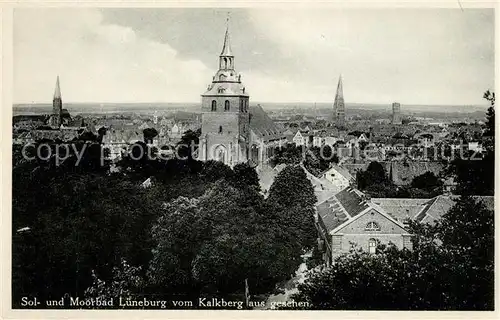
{"x": 226, "y": 89}
{"x": 262, "y": 125}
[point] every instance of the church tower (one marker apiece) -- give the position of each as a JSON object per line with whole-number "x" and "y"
{"x": 339, "y": 107}
{"x": 225, "y": 128}
{"x": 56, "y": 117}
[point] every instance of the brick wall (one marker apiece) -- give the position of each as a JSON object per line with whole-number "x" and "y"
{"x": 234, "y": 103}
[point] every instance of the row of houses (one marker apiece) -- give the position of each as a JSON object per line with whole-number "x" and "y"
{"x": 350, "y": 218}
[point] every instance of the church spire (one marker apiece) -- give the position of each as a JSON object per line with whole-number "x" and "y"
{"x": 57, "y": 91}
{"x": 340, "y": 90}
{"x": 226, "y": 58}
{"x": 338, "y": 106}
{"x": 226, "y": 49}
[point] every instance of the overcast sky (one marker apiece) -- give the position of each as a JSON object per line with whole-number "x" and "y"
{"x": 414, "y": 56}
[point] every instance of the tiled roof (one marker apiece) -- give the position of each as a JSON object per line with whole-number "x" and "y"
{"x": 352, "y": 201}
{"x": 401, "y": 209}
{"x": 440, "y": 205}
{"x": 262, "y": 125}
{"x": 423, "y": 210}
{"x": 344, "y": 172}
{"x": 340, "y": 207}
{"x": 332, "y": 214}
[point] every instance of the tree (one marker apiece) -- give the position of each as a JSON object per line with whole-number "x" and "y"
{"x": 373, "y": 175}
{"x": 212, "y": 244}
{"x": 291, "y": 188}
{"x": 87, "y": 221}
{"x": 216, "y": 170}
{"x": 427, "y": 181}
{"x": 292, "y": 196}
{"x": 149, "y": 134}
{"x": 177, "y": 233}
{"x": 474, "y": 176}
{"x": 319, "y": 159}
{"x": 126, "y": 281}
{"x": 245, "y": 176}
{"x": 287, "y": 154}
{"x": 188, "y": 144}
{"x": 490, "y": 114}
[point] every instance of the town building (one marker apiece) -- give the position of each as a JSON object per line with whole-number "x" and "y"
{"x": 300, "y": 139}
{"x": 338, "y": 176}
{"x": 231, "y": 131}
{"x": 351, "y": 218}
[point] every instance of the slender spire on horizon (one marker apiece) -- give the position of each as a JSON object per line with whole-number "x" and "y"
{"x": 338, "y": 105}
{"x": 340, "y": 89}
{"x": 57, "y": 91}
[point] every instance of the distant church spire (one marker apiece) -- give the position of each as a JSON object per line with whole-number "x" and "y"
{"x": 55, "y": 118}
{"x": 57, "y": 91}
{"x": 338, "y": 106}
{"x": 340, "y": 90}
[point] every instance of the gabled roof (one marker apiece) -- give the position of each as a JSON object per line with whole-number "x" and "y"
{"x": 440, "y": 205}
{"x": 341, "y": 207}
{"x": 401, "y": 208}
{"x": 344, "y": 172}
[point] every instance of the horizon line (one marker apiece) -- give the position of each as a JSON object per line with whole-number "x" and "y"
{"x": 256, "y": 103}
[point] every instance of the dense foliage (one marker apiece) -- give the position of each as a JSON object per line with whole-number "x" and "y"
{"x": 375, "y": 182}
{"x": 199, "y": 227}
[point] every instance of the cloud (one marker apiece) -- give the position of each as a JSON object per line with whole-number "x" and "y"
{"x": 438, "y": 56}
{"x": 96, "y": 61}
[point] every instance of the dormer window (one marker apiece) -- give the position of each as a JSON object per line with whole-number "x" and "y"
{"x": 372, "y": 226}
{"x": 220, "y": 90}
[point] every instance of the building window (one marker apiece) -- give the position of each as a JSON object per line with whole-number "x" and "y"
{"x": 372, "y": 246}
{"x": 372, "y": 226}
{"x": 226, "y": 105}
{"x": 241, "y": 105}
{"x": 214, "y": 105}
{"x": 220, "y": 129}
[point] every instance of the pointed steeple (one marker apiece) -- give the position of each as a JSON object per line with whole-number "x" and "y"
{"x": 57, "y": 91}
{"x": 226, "y": 49}
{"x": 340, "y": 90}
{"x": 338, "y": 106}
